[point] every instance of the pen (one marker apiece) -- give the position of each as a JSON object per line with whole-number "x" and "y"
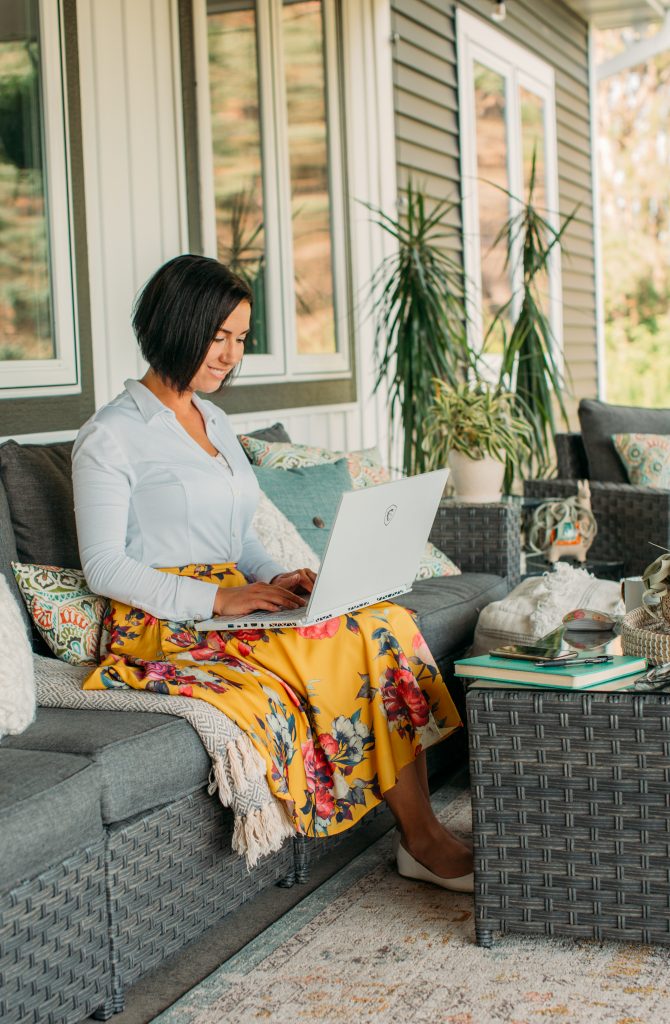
{"x": 601, "y": 659}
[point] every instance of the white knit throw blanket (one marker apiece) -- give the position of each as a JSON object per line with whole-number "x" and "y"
{"x": 238, "y": 771}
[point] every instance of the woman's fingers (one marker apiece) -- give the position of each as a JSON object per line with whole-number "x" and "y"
{"x": 285, "y": 598}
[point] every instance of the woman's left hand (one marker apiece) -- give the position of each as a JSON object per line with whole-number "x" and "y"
{"x": 299, "y": 579}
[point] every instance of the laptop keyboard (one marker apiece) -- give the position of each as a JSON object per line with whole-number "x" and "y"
{"x": 281, "y": 616}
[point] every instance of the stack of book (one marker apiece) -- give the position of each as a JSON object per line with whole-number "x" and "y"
{"x": 616, "y": 674}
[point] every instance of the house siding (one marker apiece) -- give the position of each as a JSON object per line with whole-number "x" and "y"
{"x": 427, "y": 137}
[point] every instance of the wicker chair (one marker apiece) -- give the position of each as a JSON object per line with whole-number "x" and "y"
{"x": 630, "y": 519}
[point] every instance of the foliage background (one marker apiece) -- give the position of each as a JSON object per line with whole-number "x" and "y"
{"x": 634, "y": 161}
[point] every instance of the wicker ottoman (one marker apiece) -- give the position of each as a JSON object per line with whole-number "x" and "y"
{"x": 571, "y": 813}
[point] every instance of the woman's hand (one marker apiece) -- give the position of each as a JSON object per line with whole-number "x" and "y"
{"x": 299, "y": 579}
{"x": 253, "y": 597}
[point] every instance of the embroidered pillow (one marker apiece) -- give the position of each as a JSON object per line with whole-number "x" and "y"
{"x": 646, "y": 458}
{"x": 66, "y": 613}
{"x": 365, "y": 468}
{"x": 435, "y": 563}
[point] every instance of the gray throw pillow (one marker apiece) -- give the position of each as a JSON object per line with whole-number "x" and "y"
{"x": 599, "y": 421}
{"x": 277, "y": 432}
{"x": 38, "y": 483}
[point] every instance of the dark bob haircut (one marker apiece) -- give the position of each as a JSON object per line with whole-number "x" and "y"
{"x": 178, "y": 312}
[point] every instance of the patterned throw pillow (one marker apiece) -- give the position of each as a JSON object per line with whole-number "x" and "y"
{"x": 66, "y": 613}
{"x": 646, "y": 458}
{"x": 365, "y": 468}
{"x": 435, "y": 563}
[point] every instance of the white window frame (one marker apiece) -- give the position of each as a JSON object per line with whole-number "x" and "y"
{"x": 481, "y": 42}
{"x": 33, "y": 378}
{"x": 283, "y": 362}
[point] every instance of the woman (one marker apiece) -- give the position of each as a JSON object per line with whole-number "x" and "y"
{"x": 164, "y": 498}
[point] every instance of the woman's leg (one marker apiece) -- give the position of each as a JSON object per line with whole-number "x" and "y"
{"x": 423, "y": 836}
{"x": 421, "y": 766}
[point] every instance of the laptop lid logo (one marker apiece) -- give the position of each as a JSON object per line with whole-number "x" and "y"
{"x": 389, "y": 514}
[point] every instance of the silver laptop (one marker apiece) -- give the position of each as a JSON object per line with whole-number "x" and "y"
{"x": 373, "y": 553}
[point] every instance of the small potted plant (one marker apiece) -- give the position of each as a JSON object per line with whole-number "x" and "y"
{"x": 476, "y": 430}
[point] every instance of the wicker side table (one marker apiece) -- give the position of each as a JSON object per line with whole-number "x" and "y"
{"x": 571, "y": 813}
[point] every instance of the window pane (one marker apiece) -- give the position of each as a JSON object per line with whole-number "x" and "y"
{"x": 533, "y": 141}
{"x": 25, "y": 297}
{"x": 492, "y": 171}
{"x": 308, "y": 154}
{"x": 236, "y": 144}
{"x": 533, "y": 135}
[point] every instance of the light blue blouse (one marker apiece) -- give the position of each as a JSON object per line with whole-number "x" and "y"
{"x": 147, "y": 495}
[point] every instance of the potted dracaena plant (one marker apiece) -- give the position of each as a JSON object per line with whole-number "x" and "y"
{"x": 420, "y": 315}
{"x": 477, "y": 431}
{"x": 529, "y": 367}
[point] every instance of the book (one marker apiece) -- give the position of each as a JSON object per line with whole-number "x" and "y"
{"x": 610, "y": 686}
{"x": 570, "y": 676}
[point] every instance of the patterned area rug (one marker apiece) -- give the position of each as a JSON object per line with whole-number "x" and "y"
{"x": 370, "y": 946}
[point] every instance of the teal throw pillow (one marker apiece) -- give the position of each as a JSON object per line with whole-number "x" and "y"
{"x": 309, "y": 497}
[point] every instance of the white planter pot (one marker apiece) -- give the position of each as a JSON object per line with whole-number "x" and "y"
{"x": 476, "y": 480}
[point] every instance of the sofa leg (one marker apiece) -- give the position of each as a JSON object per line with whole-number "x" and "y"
{"x": 288, "y": 881}
{"x": 115, "y": 1004}
{"x": 301, "y": 850}
{"x": 104, "y": 1012}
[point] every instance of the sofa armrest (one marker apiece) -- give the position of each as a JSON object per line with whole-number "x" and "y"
{"x": 630, "y": 519}
{"x": 550, "y": 488}
{"x": 480, "y": 538}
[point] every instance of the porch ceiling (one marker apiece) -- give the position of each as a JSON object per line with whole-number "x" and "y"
{"x": 619, "y": 13}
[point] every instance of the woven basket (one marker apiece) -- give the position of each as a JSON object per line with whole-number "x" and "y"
{"x": 645, "y": 637}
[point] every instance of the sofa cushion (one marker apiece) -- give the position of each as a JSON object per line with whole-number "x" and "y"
{"x": 145, "y": 759}
{"x": 38, "y": 483}
{"x": 448, "y": 608}
{"x": 8, "y": 554}
{"x": 599, "y": 421}
{"x": 49, "y": 807}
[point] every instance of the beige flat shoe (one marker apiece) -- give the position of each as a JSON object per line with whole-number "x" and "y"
{"x": 408, "y": 867}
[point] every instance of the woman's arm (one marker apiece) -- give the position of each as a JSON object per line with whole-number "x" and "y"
{"x": 102, "y": 487}
{"x": 255, "y": 561}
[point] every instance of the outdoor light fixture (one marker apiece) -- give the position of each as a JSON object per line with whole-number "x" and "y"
{"x": 499, "y": 12}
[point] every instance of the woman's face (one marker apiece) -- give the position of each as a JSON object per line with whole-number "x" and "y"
{"x": 225, "y": 352}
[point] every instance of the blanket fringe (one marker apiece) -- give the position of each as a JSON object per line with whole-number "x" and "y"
{"x": 218, "y": 781}
{"x": 244, "y": 762}
{"x": 261, "y": 832}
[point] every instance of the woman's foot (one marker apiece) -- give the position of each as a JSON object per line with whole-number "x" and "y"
{"x": 440, "y": 852}
{"x": 409, "y": 867}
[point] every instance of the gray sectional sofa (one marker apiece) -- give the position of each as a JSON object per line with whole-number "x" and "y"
{"x": 112, "y": 854}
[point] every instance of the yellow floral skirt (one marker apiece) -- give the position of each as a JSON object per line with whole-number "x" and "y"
{"x": 336, "y": 710}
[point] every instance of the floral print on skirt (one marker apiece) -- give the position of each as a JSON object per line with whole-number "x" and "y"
{"x": 336, "y": 709}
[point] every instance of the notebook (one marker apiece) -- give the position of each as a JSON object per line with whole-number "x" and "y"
{"x": 373, "y": 553}
{"x": 570, "y": 676}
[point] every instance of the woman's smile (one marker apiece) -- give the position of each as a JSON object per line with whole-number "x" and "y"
{"x": 219, "y": 371}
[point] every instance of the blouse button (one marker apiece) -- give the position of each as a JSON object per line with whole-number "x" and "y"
{"x": 318, "y": 521}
